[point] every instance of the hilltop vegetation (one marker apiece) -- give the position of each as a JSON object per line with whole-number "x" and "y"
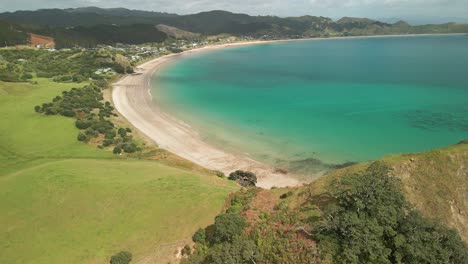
{"x": 390, "y": 211}
{"x": 64, "y": 66}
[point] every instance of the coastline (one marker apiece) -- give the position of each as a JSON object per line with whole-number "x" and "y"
{"x": 132, "y": 98}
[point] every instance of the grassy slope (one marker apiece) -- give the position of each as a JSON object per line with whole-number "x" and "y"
{"x": 65, "y": 202}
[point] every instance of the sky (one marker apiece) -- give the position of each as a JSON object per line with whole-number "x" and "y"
{"x": 411, "y": 9}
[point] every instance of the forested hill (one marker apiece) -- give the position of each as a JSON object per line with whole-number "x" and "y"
{"x": 409, "y": 208}
{"x": 217, "y": 22}
{"x": 11, "y": 34}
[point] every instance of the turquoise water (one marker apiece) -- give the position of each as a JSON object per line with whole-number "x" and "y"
{"x": 329, "y": 101}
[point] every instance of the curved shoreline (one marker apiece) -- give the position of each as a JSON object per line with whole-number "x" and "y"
{"x": 132, "y": 98}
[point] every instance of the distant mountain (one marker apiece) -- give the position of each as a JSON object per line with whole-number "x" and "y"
{"x": 346, "y": 20}
{"x": 63, "y": 23}
{"x": 118, "y": 12}
{"x": 107, "y": 34}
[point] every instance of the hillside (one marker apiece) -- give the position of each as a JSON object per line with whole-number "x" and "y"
{"x": 177, "y": 33}
{"x": 11, "y": 34}
{"x": 395, "y": 210}
{"x": 219, "y": 22}
{"x": 70, "y": 202}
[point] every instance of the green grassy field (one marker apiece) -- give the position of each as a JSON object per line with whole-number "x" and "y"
{"x": 65, "y": 202}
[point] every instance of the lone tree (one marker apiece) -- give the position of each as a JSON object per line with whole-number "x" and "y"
{"x": 123, "y": 257}
{"x": 244, "y": 178}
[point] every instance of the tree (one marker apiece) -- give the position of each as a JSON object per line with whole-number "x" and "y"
{"x": 371, "y": 222}
{"x": 117, "y": 150}
{"x": 82, "y": 137}
{"x": 244, "y": 178}
{"x": 122, "y": 132}
{"x": 82, "y": 124}
{"x": 239, "y": 251}
{"x": 38, "y": 109}
{"x": 123, "y": 257}
{"x": 199, "y": 236}
{"x": 129, "y": 148}
{"x": 227, "y": 226}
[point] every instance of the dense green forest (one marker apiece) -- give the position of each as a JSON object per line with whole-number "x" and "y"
{"x": 88, "y": 26}
{"x": 11, "y": 35}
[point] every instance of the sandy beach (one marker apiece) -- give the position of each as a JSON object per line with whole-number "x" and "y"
{"x": 133, "y": 99}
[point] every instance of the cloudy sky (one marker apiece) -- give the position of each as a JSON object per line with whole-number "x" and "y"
{"x": 331, "y": 8}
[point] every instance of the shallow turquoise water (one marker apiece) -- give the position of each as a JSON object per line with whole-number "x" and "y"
{"x": 331, "y": 100}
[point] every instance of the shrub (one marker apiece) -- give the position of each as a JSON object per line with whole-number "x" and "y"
{"x": 244, "y": 178}
{"x": 117, "y": 150}
{"x": 199, "y": 236}
{"x": 38, "y": 109}
{"x": 68, "y": 113}
{"x": 82, "y": 137}
{"x": 130, "y": 148}
{"x": 122, "y": 132}
{"x": 220, "y": 174}
{"x": 107, "y": 142}
{"x": 82, "y": 124}
{"x": 228, "y": 226}
{"x": 186, "y": 251}
{"x": 130, "y": 70}
{"x": 119, "y": 69}
{"x": 26, "y": 76}
{"x": 286, "y": 195}
{"x": 123, "y": 257}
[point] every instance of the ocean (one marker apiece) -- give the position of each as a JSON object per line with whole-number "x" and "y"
{"x": 309, "y": 105}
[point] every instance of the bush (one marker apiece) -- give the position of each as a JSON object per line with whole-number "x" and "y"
{"x": 220, "y": 174}
{"x": 122, "y": 132}
{"x": 244, "y": 178}
{"x": 228, "y": 226}
{"x": 123, "y": 257}
{"x": 38, "y": 109}
{"x": 186, "y": 251}
{"x": 68, "y": 113}
{"x": 119, "y": 69}
{"x": 117, "y": 150}
{"x": 107, "y": 142}
{"x": 199, "y": 236}
{"x": 130, "y": 70}
{"x": 130, "y": 148}
{"x": 26, "y": 76}
{"x": 82, "y": 137}
{"x": 82, "y": 124}
{"x": 286, "y": 195}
